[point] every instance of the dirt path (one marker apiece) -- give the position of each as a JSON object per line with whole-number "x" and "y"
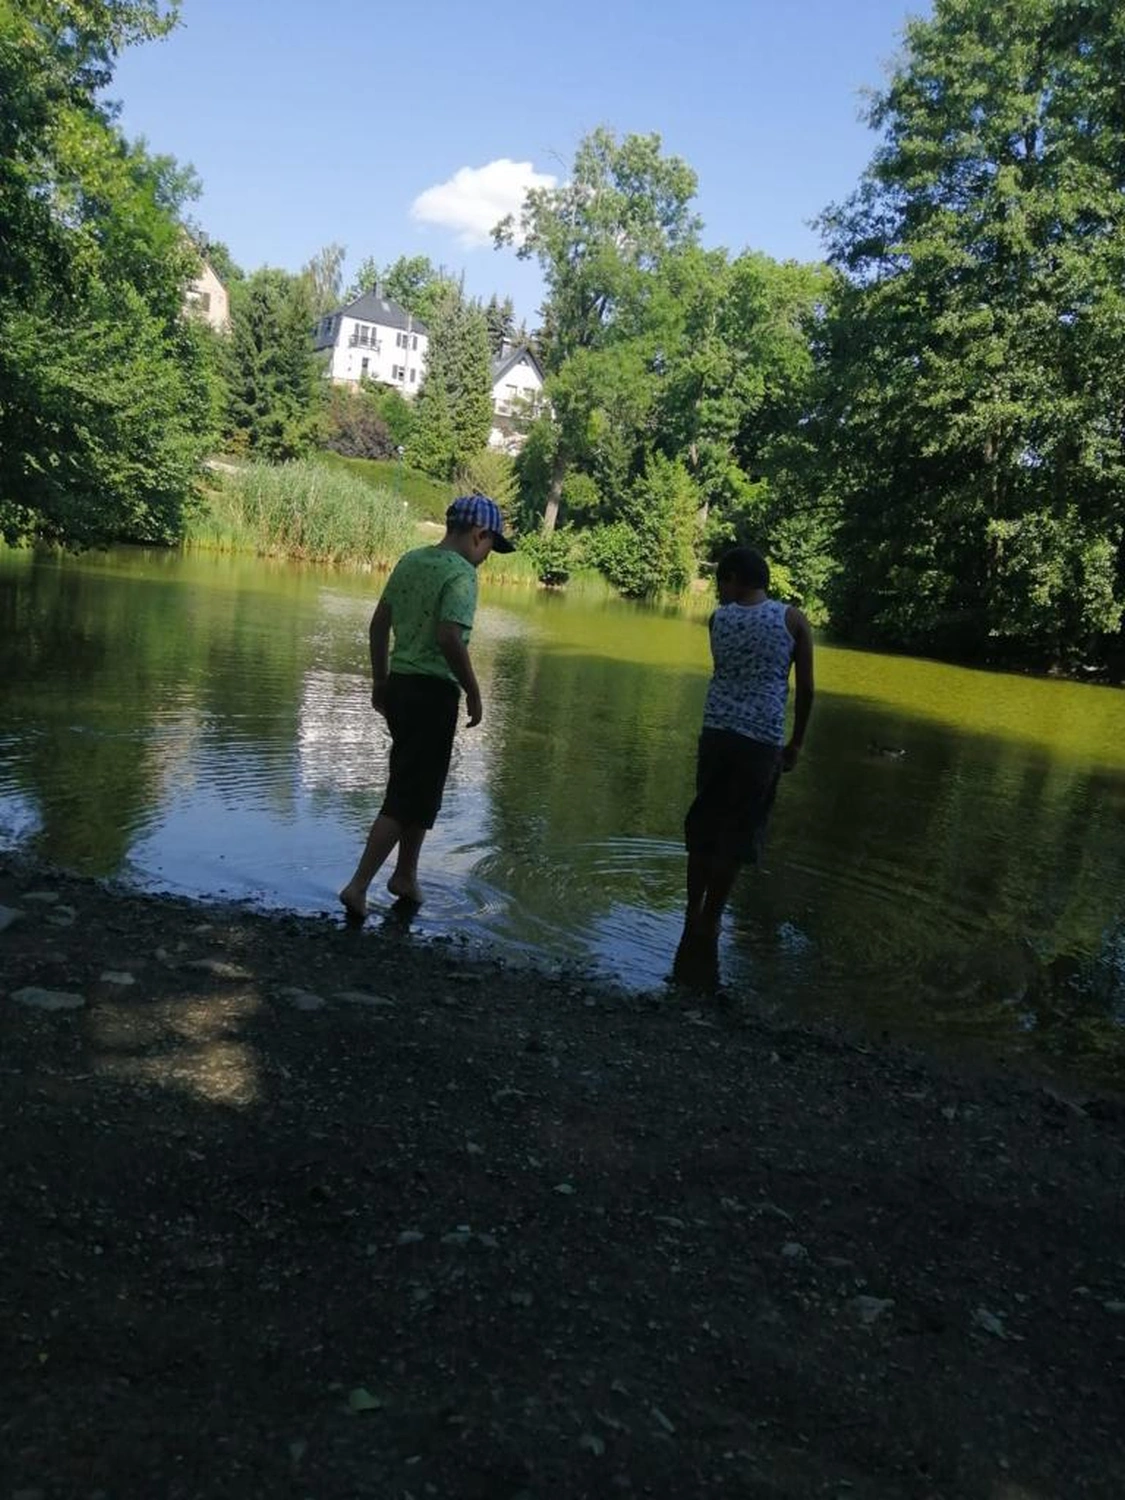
{"x": 301, "y": 1213}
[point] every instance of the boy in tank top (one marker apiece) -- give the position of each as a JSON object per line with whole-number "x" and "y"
{"x": 755, "y": 642}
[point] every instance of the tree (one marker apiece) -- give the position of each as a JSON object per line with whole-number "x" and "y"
{"x": 107, "y": 393}
{"x": 413, "y": 281}
{"x": 651, "y": 548}
{"x": 624, "y": 209}
{"x": 366, "y": 275}
{"x": 274, "y": 380}
{"x": 974, "y": 363}
{"x": 222, "y": 261}
{"x": 325, "y": 276}
{"x": 501, "y": 319}
{"x": 453, "y": 409}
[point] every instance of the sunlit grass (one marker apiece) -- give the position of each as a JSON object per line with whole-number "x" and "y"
{"x": 426, "y": 498}
{"x": 304, "y": 510}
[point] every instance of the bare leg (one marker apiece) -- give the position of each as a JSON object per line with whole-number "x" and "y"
{"x": 384, "y": 835}
{"x": 404, "y": 881}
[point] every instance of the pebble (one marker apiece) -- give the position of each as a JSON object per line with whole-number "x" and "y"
{"x": 44, "y": 898}
{"x": 8, "y": 915}
{"x": 62, "y": 916}
{"x": 361, "y": 997}
{"x": 39, "y": 999}
{"x": 871, "y": 1309}
{"x": 301, "y": 999}
{"x": 793, "y": 1250}
{"x": 117, "y": 976}
{"x": 410, "y": 1237}
{"x": 989, "y": 1322}
{"x": 219, "y": 968}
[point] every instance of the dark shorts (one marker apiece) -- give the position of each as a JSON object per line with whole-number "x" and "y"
{"x": 735, "y": 786}
{"x": 422, "y": 718}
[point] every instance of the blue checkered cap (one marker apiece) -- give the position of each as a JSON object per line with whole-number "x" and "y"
{"x": 479, "y": 510}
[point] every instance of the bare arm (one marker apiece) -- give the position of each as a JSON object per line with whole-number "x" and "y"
{"x": 456, "y": 653}
{"x": 379, "y": 643}
{"x": 801, "y": 632}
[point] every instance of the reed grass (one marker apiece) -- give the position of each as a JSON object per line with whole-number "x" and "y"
{"x": 306, "y": 510}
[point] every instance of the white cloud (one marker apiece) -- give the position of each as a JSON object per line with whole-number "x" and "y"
{"x": 475, "y": 199}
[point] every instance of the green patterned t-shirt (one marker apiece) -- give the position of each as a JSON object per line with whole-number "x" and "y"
{"x": 428, "y": 586}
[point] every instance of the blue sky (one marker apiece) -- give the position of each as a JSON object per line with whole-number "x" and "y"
{"x": 400, "y": 129}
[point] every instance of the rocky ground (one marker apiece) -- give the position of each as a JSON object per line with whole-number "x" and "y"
{"x": 294, "y": 1211}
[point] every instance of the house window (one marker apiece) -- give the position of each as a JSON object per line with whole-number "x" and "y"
{"x": 363, "y": 365}
{"x": 413, "y": 376}
{"x": 415, "y": 343}
{"x": 398, "y": 372}
{"x": 402, "y": 341}
{"x": 204, "y": 300}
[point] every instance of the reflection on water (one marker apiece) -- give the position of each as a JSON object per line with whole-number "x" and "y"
{"x": 946, "y": 859}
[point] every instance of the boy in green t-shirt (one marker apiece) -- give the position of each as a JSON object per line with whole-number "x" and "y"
{"x": 429, "y": 603}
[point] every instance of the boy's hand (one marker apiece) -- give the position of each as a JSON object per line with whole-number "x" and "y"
{"x": 379, "y": 697}
{"x": 474, "y": 706}
{"x": 790, "y": 755}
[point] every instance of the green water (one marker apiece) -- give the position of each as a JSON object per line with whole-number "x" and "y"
{"x": 202, "y": 725}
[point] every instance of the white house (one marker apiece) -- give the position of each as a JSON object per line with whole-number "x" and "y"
{"x": 517, "y": 396}
{"x": 207, "y": 298}
{"x": 375, "y": 338}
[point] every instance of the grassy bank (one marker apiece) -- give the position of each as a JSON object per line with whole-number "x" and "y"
{"x": 303, "y": 510}
{"x": 426, "y": 498}
{"x": 322, "y": 512}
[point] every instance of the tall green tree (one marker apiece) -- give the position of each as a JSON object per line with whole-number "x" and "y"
{"x": 623, "y": 210}
{"x": 276, "y": 391}
{"x": 974, "y": 363}
{"x": 500, "y": 315}
{"x": 453, "y": 409}
{"x": 107, "y": 394}
{"x": 737, "y": 389}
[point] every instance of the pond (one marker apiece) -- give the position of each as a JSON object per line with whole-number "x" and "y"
{"x": 945, "y": 863}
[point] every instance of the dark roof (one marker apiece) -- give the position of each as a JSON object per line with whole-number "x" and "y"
{"x": 501, "y": 366}
{"x": 370, "y": 308}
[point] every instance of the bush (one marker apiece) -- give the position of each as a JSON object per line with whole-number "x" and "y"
{"x": 354, "y": 428}
{"x": 554, "y": 557}
{"x": 393, "y": 409}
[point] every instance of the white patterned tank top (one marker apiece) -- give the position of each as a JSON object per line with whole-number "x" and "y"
{"x": 752, "y": 651}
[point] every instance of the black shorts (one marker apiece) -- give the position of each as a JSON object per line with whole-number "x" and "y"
{"x": 735, "y": 786}
{"x": 422, "y": 718}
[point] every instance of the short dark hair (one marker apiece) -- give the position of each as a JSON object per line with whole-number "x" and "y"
{"x": 746, "y": 566}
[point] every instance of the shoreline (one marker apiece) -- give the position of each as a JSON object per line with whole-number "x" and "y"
{"x": 316, "y": 1212}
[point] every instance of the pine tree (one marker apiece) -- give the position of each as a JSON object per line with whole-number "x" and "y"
{"x": 501, "y": 320}
{"x": 453, "y": 411}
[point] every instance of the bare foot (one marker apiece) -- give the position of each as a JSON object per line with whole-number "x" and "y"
{"x": 405, "y": 890}
{"x": 354, "y": 904}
